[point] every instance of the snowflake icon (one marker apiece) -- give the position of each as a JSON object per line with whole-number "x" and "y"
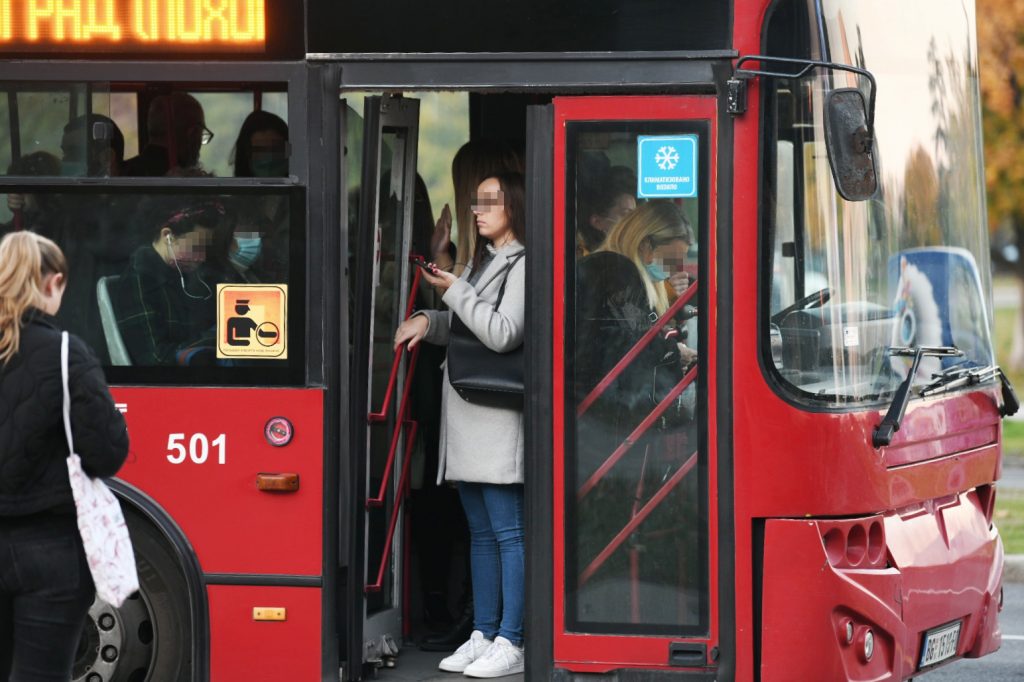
{"x": 667, "y": 158}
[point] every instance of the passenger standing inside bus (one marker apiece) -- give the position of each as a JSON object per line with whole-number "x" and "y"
{"x": 176, "y": 132}
{"x": 475, "y": 160}
{"x": 165, "y": 308}
{"x": 262, "y": 150}
{"x": 482, "y": 446}
{"x": 45, "y": 585}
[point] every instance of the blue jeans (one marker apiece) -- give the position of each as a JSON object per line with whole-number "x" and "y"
{"x": 497, "y": 557}
{"x": 45, "y": 593}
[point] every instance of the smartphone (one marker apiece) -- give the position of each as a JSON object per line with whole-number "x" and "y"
{"x": 421, "y": 262}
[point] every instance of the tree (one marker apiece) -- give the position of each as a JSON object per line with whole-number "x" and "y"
{"x": 1001, "y": 59}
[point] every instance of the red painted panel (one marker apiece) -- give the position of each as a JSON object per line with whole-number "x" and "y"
{"x": 944, "y": 563}
{"x": 244, "y": 649}
{"x": 233, "y": 527}
{"x": 589, "y": 652}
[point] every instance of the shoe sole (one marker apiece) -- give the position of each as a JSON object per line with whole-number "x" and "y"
{"x": 451, "y": 668}
{"x": 517, "y": 671}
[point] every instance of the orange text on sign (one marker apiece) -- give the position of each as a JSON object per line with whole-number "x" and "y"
{"x": 136, "y": 21}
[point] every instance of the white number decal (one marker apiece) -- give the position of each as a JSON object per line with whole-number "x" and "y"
{"x": 198, "y": 448}
{"x": 174, "y": 443}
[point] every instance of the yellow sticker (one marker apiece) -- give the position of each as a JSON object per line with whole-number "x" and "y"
{"x": 252, "y": 321}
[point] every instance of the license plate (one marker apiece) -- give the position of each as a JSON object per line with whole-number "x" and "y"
{"x": 940, "y": 644}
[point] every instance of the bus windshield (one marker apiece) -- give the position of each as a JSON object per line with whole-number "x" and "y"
{"x": 846, "y": 283}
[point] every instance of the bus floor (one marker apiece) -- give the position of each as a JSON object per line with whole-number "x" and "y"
{"x": 413, "y": 665}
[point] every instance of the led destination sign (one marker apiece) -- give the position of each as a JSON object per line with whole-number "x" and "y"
{"x": 131, "y": 25}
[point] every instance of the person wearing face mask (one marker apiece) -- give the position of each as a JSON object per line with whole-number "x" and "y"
{"x": 621, "y": 292}
{"x": 262, "y": 150}
{"x": 165, "y": 307}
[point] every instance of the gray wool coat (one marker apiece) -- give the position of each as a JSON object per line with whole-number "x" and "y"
{"x": 481, "y": 444}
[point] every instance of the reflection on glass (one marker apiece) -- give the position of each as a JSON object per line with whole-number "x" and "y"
{"x": 387, "y": 312}
{"x": 94, "y": 130}
{"x": 849, "y": 280}
{"x": 636, "y": 526}
{"x": 143, "y": 267}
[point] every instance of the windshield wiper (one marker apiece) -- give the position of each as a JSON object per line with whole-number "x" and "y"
{"x": 958, "y": 376}
{"x": 891, "y": 423}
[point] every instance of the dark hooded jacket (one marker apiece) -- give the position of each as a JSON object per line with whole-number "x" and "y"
{"x": 33, "y": 448}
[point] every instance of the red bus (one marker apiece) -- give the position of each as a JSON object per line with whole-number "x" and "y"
{"x": 811, "y": 499}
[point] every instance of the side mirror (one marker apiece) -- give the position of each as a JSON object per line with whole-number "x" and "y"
{"x": 849, "y": 139}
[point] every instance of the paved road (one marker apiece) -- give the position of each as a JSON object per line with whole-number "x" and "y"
{"x": 1003, "y": 666}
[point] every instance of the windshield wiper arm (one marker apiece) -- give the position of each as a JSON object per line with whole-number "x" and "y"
{"x": 891, "y": 423}
{"x": 955, "y": 377}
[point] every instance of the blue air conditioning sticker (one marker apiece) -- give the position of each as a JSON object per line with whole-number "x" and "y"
{"x": 667, "y": 166}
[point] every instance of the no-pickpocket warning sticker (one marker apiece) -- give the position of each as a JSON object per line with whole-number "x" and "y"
{"x": 252, "y": 321}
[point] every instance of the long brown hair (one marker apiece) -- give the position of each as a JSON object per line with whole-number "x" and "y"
{"x": 473, "y": 163}
{"x": 513, "y": 189}
{"x": 25, "y": 260}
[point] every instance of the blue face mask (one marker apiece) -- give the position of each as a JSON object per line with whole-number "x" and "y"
{"x": 247, "y": 253}
{"x": 269, "y": 167}
{"x": 656, "y": 272}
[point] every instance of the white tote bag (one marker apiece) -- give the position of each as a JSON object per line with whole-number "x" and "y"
{"x": 100, "y": 521}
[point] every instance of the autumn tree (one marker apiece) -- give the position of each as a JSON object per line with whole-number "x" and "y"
{"x": 1001, "y": 60}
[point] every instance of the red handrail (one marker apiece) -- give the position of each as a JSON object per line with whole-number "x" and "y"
{"x": 637, "y": 348}
{"x": 633, "y": 437}
{"x": 403, "y": 409}
{"x": 639, "y": 518}
{"x": 403, "y": 483}
{"x": 381, "y": 415}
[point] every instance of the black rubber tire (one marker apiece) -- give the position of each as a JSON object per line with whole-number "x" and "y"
{"x": 154, "y": 642}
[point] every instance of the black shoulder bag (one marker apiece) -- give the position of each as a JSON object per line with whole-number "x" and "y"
{"x": 479, "y": 374}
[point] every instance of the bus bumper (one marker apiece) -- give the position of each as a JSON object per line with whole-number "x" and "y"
{"x": 854, "y": 599}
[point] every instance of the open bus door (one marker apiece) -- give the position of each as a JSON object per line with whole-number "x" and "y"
{"x": 633, "y": 492}
{"x": 382, "y": 429}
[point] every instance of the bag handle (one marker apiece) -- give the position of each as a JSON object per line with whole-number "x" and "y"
{"x": 67, "y": 393}
{"x": 508, "y": 271}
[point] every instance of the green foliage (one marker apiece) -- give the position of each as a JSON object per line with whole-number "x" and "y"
{"x": 1009, "y": 519}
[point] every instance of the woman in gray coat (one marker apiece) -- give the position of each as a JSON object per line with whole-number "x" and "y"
{"x": 481, "y": 446}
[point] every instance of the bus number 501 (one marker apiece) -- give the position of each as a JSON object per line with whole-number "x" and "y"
{"x": 198, "y": 448}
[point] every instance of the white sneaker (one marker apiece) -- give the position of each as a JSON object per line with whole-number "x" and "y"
{"x": 501, "y": 658}
{"x": 471, "y": 650}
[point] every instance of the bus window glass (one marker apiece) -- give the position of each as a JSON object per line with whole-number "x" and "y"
{"x": 850, "y": 281}
{"x": 635, "y": 543}
{"x": 144, "y": 270}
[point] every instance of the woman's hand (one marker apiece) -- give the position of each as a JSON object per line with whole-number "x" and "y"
{"x": 411, "y": 331}
{"x": 441, "y": 239}
{"x": 687, "y": 356}
{"x": 680, "y": 281}
{"x": 439, "y": 278}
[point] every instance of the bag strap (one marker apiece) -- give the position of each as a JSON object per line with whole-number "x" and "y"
{"x": 508, "y": 271}
{"x": 67, "y": 393}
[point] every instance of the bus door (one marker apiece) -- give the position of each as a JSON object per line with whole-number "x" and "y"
{"x": 634, "y": 523}
{"x": 383, "y": 429}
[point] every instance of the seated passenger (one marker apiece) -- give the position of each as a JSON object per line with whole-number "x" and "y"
{"x": 261, "y": 150}
{"x": 176, "y": 130}
{"x": 165, "y": 309}
{"x": 93, "y": 146}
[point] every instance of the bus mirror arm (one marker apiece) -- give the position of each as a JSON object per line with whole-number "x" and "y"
{"x": 1010, "y": 401}
{"x": 891, "y": 422}
{"x": 849, "y": 121}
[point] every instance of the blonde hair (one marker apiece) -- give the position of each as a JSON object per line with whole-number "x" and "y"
{"x": 473, "y": 163}
{"x": 654, "y": 223}
{"x": 25, "y": 259}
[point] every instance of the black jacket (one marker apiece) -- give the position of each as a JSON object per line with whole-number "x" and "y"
{"x": 33, "y": 448}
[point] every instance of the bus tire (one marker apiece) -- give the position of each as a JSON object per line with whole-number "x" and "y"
{"x": 149, "y": 638}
